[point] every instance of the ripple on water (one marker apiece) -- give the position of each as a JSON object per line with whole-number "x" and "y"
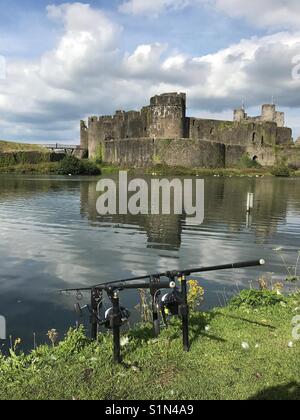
{"x": 51, "y": 237}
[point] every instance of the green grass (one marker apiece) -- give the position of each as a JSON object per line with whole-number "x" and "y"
{"x": 107, "y": 169}
{"x": 163, "y": 170}
{"x": 53, "y": 168}
{"x": 27, "y": 168}
{"x": 45, "y": 168}
{"x": 7, "y": 146}
{"x": 217, "y": 366}
{"x": 220, "y": 172}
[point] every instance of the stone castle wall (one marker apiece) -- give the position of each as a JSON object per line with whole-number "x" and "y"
{"x": 177, "y": 152}
{"x": 228, "y": 132}
{"x": 139, "y": 138}
{"x": 145, "y": 152}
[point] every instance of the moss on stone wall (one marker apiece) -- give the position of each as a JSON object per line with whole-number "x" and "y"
{"x": 99, "y": 154}
{"x": 225, "y": 125}
{"x": 157, "y": 160}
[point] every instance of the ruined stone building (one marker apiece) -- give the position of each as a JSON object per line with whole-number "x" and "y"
{"x": 162, "y": 133}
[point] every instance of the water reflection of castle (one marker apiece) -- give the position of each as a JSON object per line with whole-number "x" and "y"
{"x": 225, "y": 204}
{"x": 163, "y": 231}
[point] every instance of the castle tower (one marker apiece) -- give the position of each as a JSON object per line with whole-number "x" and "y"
{"x": 167, "y": 116}
{"x": 268, "y": 113}
{"x": 93, "y": 136}
{"x": 239, "y": 115}
{"x": 84, "y": 142}
{"x": 279, "y": 119}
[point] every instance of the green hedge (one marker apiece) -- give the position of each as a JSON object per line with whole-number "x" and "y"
{"x": 17, "y": 158}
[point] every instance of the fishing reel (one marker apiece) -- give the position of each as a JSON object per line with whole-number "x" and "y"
{"x": 124, "y": 316}
{"x": 171, "y": 304}
{"x": 157, "y": 303}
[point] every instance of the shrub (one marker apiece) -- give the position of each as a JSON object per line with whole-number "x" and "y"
{"x": 257, "y": 298}
{"x": 246, "y": 162}
{"x": 74, "y": 166}
{"x": 195, "y": 295}
{"x": 293, "y": 167}
{"x": 90, "y": 168}
{"x": 281, "y": 171}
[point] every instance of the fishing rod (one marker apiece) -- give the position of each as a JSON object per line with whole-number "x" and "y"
{"x": 122, "y": 285}
{"x": 174, "y": 303}
{"x": 175, "y": 273}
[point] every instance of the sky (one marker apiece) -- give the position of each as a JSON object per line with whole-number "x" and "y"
{"x": 61, "y": 62}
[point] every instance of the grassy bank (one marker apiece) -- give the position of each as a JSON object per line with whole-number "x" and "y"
{"x": 182, "y": 171}
{"x": 46, "y": 168}
{"x": 196, "y": 172}
{"x": 220, "y": 172}
{"x": 53, "y": 168}
{"x": 19, "y": 157}
{"x": 236, "y": 353}
{"x": 7, "y": 147}
{"x": 70, "y": 165}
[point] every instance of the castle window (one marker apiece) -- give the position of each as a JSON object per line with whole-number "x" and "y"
{"x": 262, "y": 140}
{"x": 212, "y": 131}
{"x": 255, "y": 158}
{"x": 254, "y": 138}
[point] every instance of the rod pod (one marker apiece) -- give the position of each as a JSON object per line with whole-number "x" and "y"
{"x": 155, "y": 292}
{"x": 115, "y": 322}
{"x": 184, "y": 312}
{"x": 95, "y": 300}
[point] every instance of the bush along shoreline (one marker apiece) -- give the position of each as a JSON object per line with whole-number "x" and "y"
{"x": 57, "y": 165}
{"x": 71, "y": 165}
{"x": 245, "y": 351}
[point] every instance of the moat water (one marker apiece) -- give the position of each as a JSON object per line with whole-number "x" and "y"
{"x": 51, "y": 237}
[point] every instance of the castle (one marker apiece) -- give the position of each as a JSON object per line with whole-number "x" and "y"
{"x": 162, "y": 133}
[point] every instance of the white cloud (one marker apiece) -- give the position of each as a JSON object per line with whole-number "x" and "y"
{"x": 87, "y": 74}
{"x": 152, "y": 7}
{"x": 271, "y": 13}
{"x": 59, "y": 85}
{"x": 89, "y": 41}
{"x": 283, "y": 14}
{"x": 146, "y": 59}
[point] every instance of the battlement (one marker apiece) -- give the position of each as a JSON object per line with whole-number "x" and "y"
{"x": 169, "y": 99}
{"x": 268, "y": 114}
{"x": 93, "y": 119}
{"x": 102, "y": 119}
{"x": 122, "y": 115}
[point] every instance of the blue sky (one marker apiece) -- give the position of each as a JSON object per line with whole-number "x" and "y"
{"x": 25, "y": 22}
{"x": 67, "y": 61}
